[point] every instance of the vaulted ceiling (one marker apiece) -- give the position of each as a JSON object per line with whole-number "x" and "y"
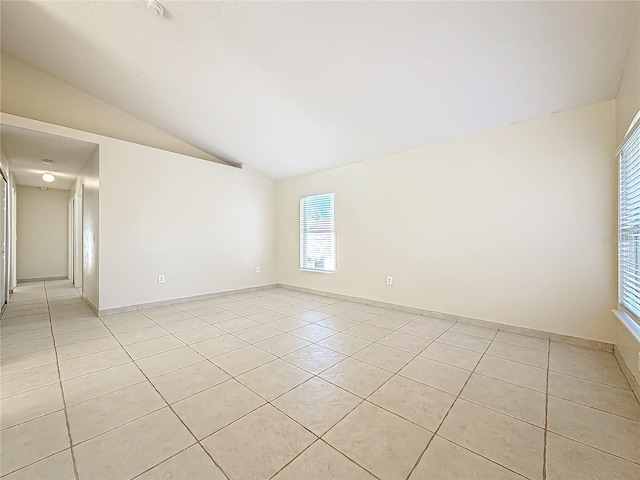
{"x": 294, "y": 87}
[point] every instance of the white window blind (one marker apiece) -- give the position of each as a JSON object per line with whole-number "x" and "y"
{"x": 629, "y": 226}
{"x": 317, "y": 234}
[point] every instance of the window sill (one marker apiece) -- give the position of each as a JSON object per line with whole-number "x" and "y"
{"x": 628, "y": 322}
{"x": 317, "y": 271}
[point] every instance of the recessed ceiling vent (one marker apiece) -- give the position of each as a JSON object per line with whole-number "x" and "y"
{"x": 156, "y": 7}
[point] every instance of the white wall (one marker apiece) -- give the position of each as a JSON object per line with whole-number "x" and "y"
{"x": 90, "y": 178}
{"x": 42, "y": 233}
{"x": 204, "y": 225}
{"x": 508, "y": 225}
{"x": 627, "y": 106}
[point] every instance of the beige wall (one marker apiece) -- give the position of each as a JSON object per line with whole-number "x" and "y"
{"x": 627, "y": 106}
{"x": 206, "y": 227}
{"x": 203, "y": 225}
{"x": 509, "y": 225}
{"x": 29, "y": 92}
{"x": 628, "y": 98}
{"x": 42, "y": 233}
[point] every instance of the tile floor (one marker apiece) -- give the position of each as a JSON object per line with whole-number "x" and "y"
{"x": 286, "y": 385}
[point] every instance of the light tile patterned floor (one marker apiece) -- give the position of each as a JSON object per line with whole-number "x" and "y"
{"x": 287, "y": 385}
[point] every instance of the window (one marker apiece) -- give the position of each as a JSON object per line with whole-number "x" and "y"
{"x": 629, "y": 226}
{"x": 317, "y": 234}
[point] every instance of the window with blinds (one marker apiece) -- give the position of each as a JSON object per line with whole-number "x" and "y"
{"x": 629, "y": 226}
{"x": 317, "y": 234}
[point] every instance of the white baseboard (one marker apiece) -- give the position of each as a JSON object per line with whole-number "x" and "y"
{"x": 42, "y": 279}
{"x": 90, "y": 303}
{"x": 174, "y": 301}
{"x": 556, "y": 337}
{"x": 627, "y": 373}
{"x": 581, "y": 342}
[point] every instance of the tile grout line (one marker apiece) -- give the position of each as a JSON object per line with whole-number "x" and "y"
{"x": 233, "y": 377}
{"x": 318, "y": 437}
{"x": 361, "y": 322}
{"x": 163, "y": 461}
{"x": 598, "y": 449}
{"x": 445, "y": 417}
{"x": 309, "y": 323}
{"x": 546, "y": 415}
{"x": 267, "y": 402}
{"x": 313, "y": 375}
{"x": 206, "y": 359}
{"x": 372, "y": 342}
{"x": 64, "y": 401}
{"x": 292, "y": 388}
{"x": 365, "y": 399}
{"x": 117, "y": 426}
{"x": 270, "y": 402}
{"x": 47, "y": 456}
{"x": 172, "y": 410}
{"x": 281, "y": 357}
{"x": 316, "y": 342}
{"x": 320, "y": 440}
{"x": 347, "y": 457}
{"x": 225, "y": 333}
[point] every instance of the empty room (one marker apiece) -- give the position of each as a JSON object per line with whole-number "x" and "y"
{"x": 319, "y": 240}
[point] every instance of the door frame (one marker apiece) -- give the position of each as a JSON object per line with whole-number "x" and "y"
{"x": 4, "y": 243}
{"x": 77, "y": 240}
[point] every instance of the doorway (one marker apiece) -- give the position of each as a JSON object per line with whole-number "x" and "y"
{"x": 46, "y": 238}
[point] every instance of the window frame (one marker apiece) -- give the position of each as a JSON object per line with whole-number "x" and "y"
{"x": 303, "y": 232}
{"x": 624, "y": 241}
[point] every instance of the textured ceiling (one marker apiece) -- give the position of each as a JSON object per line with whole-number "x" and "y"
{"x": 294, "y": 87}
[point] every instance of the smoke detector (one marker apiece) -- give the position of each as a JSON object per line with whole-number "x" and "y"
{"x": 156, "y": 7}
{"x": 46, "y": 161}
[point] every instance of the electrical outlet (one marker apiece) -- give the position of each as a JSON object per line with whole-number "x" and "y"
{"x": 160, "y": 278}
{"x": 257, "y": 269}
{"x": 389, "y": 280}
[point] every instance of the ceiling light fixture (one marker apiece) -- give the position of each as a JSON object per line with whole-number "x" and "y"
{"x": 47, "y": 177}
{"x": 156, "y": 7}
{"x": 46, "y": 161}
